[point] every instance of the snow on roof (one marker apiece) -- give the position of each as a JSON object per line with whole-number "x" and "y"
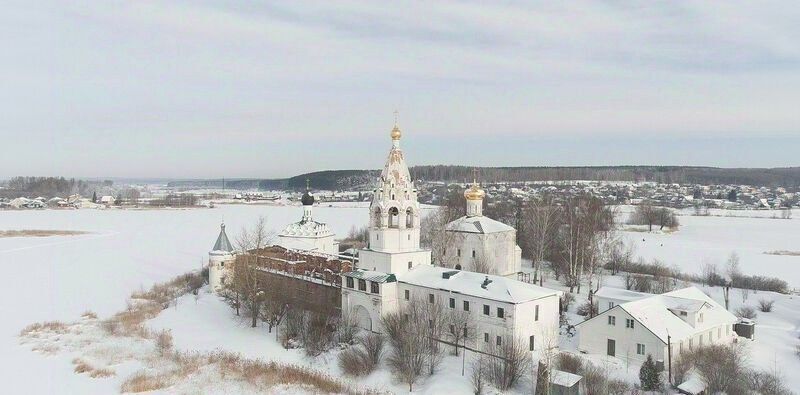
{"x": 470, "y": 283}
{"x": 694, "y": 385}
{"x": 655, "y": 313}
{"x": 478, "y": 224}
{"x": 564, "y": 379}
{"x": 620, "y": 294}
{"x": 222, "y": 244}
{"x": 306, "y": 229}
{"x": 371, "y": 275}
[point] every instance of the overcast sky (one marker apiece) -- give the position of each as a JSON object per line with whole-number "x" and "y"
{"x": 202, "y": 89}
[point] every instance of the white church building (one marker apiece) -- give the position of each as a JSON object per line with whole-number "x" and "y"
{"x": 393, "y": 270}
{"x": 308, "y": 234}
{"x": 481, "y": 241}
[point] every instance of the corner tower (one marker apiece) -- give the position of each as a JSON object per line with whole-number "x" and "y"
{"x": 220, "y": 260}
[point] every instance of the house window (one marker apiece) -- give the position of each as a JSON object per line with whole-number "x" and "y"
{"x": 362, "y": 285}
{"x": 640, "y": 349}
{"x": 409, "y": 237}
{"x": 222, "y": 263}
{"x": 530, "y": 343}
{"x": 452, "y": 329}
{"x": 466, "y": 305}
{"x": 610, "y": 305}
{"x": 629, "y": 323}
{"x": 377, "y": 237}
{"x": 375, "y": 288}
{"x": 430, "y": 324}
{"x": 612, "y": 320}
{"x": 500, "y": 312}
{"x": 683, "y": 313}
{"x": 499, "y": 341}
{"x": 407, "y": 294}
{"x": 458, "y": 252}
{"x": 473, "y": 253}
{"x": 430, "y": 298}
{"x": 465, "y": 332}
{"x": 409, "y": 264}
{"x": 350, "y": 282}
{"x": 452, "y": 303}
{"x": 536, "y": 313}
{"x": 486, "y": 309}
{"x": 485, "y": 337}
{"x": 700, "y": 318}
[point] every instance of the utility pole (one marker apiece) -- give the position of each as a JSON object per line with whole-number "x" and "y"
{"x": 669, "y": 358}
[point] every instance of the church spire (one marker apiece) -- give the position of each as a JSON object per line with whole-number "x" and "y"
{"x": 474, "y": 195}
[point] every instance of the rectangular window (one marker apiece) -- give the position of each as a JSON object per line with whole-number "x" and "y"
{"x": 499, "y": 341}
{"x": 362, "y": 285}
{"x": 466, "y": 305}
{"x": 501, "y": 313}
{"x": 473, "y": 253}
{"x": 530, "y": 343}
{"x": 465, "y": 332}
{"x": 410, "y": 264}
{"x": 629, "y": 323}
{"x": 430, "y": 298}
{"x": 452, "y": 329}
{"x": 536, "y": 313}
{"x": 350, "y": 282}
{"x": 374, "y": 287}
{"x": 452, "y": 303}
{"x": 612, "y": 320}
{"x": 683, "y": 313}
{"x": 700, "y": 319}
{"x": 610, "y": 305}
{"x": 486, "y": 309}
{"x": 458, "y": 252}
{"x": 430, "y": 324}
{"x": 640, "y": 349}
{"x": 407, "y": 294}
{"x": 485, "y": 337}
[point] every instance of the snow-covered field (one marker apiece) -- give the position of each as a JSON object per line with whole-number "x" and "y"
{"x": 713, "y": 238}
{"x": 58, "y": 278}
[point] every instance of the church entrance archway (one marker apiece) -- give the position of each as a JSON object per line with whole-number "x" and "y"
{"x": 362, "y": 318}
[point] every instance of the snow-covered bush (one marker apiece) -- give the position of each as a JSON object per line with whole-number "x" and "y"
{"x": 163, "y": 342}
{"x": 586, "y": 309}
{"x": 765, "y": 305}
{"x": 746, "y": 312}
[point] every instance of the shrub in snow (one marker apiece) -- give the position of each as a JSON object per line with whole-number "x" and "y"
{"x": 566, "y": 300}
{"x": 649, "y": 377}
{"x": 765, "y": 305}
{"x": 569, "y": 363}
{"x": 746, "y": 312}
{"x": 587, "y": 309}
{"x": 164, "y": 342}
{"x": 768, "y": 383}
{"x": 354, "y": 361}
{"x": 510, "y": 361}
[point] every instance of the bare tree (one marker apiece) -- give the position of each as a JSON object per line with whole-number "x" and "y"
{"x": 407, "y": 356}
{"x": 510, "y": 362}
{"x": 479, "y": 373}
{"x": 434, "y": 235}
{"x": 461, "y": 328}
{"x": 481, "y": 264}
{"x": 540, "y": 221}
{"x": 733, "y": 270}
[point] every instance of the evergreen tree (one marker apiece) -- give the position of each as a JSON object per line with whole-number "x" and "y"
{"x": 649, "y": 376}
{"x": 94, "y": 197}
{"x": 118, "y": 202}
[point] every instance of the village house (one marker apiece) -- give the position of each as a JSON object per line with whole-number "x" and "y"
{"x": 632, "y": 325}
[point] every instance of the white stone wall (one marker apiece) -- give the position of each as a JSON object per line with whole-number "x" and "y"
{"x": 392, "y": 262}
{"x": 499, "y": 249}
{"x": 325, "y": 244}
{"x": 385, "y": 301}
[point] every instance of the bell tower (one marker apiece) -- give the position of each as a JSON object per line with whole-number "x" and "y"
{"x": 394, "y": 211}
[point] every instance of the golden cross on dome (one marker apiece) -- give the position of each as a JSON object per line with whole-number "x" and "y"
{"x": 308, "y": 184}
{"x": 396, "y": 113}
{"x": 474, "y": 175}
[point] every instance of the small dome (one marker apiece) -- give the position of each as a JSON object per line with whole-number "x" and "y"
{"x": 307, "y": 199}
{"x": 474, "y": 193}
{"x": 396, "y": 133}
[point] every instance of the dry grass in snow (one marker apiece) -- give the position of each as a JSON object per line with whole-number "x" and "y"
{"x": 100, "y": 345}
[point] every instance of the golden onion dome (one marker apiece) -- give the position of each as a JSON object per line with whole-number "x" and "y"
{"x": 474, "y": 193}
{"x": 396, "y": 133}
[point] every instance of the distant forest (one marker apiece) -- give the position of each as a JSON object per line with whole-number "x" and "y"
{"x": 355, "y": 179}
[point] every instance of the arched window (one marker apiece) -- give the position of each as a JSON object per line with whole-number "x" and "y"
{"x": 393, "y": 217}
{"x": 409, "y": 218}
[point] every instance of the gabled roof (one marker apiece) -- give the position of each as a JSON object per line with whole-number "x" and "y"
{"x": 475, "y": 284}
{"x": 222, "y": 244}
{"x": 656, "y": 314}
{"x": 371, "y": 275}
{"x": 478, "y": 224}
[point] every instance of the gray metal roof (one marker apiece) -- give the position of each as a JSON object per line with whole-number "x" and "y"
{"x": 369, "y": 275}
{"x": 222, "y": 244}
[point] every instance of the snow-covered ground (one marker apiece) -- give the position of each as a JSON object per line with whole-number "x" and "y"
{"x": 58, "y": 278}
{"x": 713, "y": 238}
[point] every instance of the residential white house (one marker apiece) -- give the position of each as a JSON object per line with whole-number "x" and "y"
{"x": 478, "y": 240}
{"x": 632, "y": 325}
{"x": 394, "y": 271}
{"x": 308, "y": 234}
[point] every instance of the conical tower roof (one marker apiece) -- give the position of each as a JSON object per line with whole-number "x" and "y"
{"x": 222, "y": 244}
